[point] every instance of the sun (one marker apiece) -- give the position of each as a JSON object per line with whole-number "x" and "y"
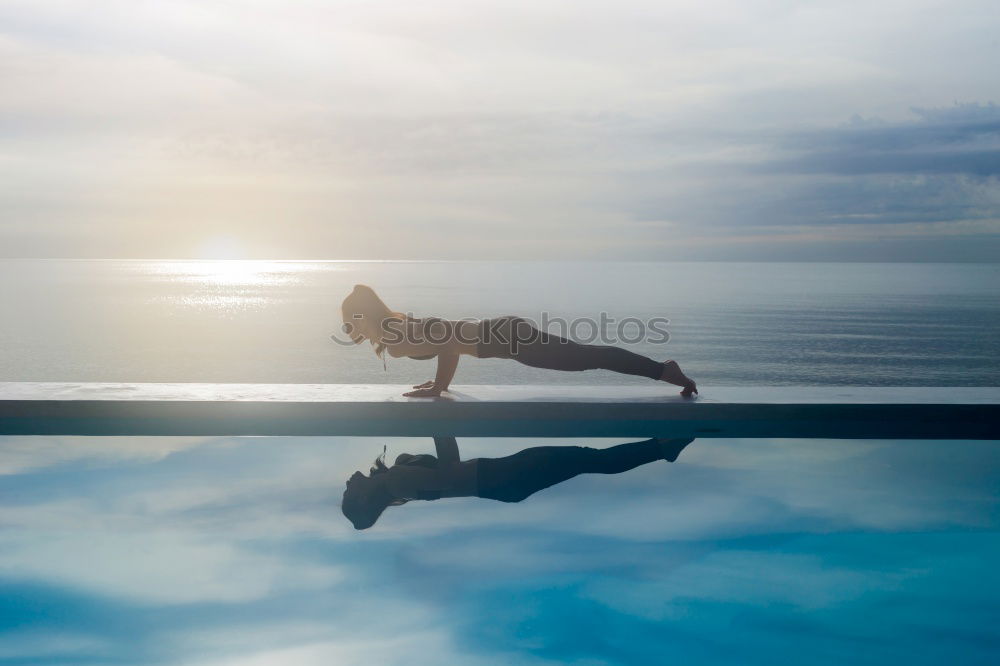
{"x": 221, "y": 248}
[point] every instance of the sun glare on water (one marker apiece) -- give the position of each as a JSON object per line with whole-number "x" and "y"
{"x": 220, "y": 279}
{"x": 221, "y": 264}
{"x": 234, "y": 272}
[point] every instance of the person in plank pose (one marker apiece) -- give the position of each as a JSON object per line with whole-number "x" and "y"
{"x": 366, "y": 317}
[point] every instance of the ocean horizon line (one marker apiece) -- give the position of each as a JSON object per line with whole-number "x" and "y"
{"x": 482, "y": 261}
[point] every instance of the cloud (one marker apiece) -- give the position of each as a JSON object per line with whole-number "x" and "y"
{"x": 942, "y": 158}
{"x": 232, "y": 549}
{"x": 941, "y": 168}
{"x": 141, "y": 565}
{"x": 21, "y": 454}
{"x": 435, "y": 131}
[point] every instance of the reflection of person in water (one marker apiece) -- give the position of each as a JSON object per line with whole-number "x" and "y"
{"x": 509, "y": 479}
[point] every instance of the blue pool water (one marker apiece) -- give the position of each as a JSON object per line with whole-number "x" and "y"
{"x": 233, "y": 551}
{"x": 225, "y": 551}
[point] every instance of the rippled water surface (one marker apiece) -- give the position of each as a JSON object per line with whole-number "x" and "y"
{"x": 857, "y": 324}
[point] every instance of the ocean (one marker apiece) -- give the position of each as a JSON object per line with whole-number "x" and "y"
{"x": 225, "y": 551}
{"x": 729, "y": 323}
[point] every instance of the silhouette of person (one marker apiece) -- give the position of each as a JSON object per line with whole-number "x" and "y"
{"x": 509, "y": 479}
{"x": 367, "y": 317}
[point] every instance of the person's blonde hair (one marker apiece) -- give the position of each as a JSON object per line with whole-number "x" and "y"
{"x": 365, "y": 316}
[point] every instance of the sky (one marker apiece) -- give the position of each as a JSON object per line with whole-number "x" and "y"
{"x": 233, "y": 551}
{"x": 701, "y": 130}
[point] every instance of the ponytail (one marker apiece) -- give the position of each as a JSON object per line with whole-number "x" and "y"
{"x": 379, "y": 466}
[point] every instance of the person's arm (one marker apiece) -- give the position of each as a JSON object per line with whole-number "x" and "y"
{"x": 447, "y": 450}
{"x": 447, "y": 364}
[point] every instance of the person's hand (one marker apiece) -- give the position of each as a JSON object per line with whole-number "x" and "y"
{"x": 423, "y": 392}
{"x": 428, "y": 384}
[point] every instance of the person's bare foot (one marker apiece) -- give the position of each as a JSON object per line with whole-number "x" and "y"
{"x": 672, "y": 448}
{"x": 672, "y": 374}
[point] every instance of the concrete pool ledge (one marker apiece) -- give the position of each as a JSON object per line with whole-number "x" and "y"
{"x": 28, "y": 408}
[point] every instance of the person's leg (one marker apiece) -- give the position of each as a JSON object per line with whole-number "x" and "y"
{"x": 673, "y": 374}
{"x": 539, "y": 349}
{"x": 515, "y": 477}
{"x": 544, "y": 350}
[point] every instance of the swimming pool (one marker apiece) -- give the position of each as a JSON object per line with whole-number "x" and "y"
{"x": 233, "y": 550}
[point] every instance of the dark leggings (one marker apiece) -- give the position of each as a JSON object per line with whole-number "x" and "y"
{"x": 516, "y": 338}
{"x": 513, "y": 478}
